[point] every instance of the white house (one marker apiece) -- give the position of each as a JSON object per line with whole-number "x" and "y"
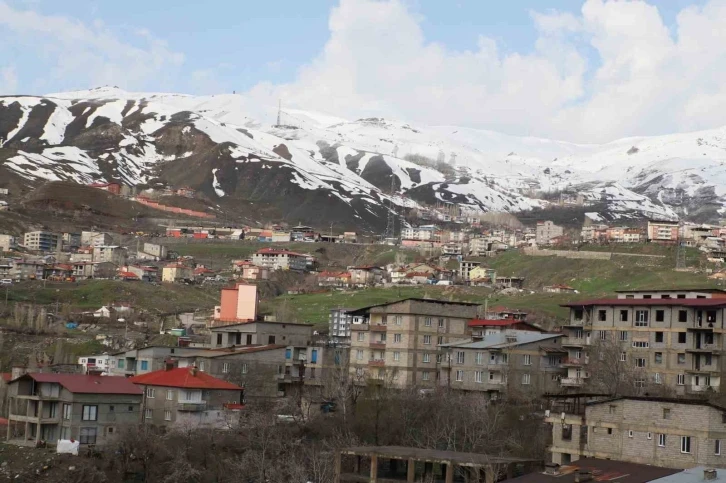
{"x": 95, "y": 364}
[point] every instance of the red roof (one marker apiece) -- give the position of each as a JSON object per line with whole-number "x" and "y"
{"x": 87, "y": 384}
{"x": 127, "y": 275}
{"x": 278, "y": 251}
{"x": 200, "y": 270}
{"x": 717, "y": 302}
{"x": 232, "y": 406}
{"x": 184, "y": 377}
{"x": 7, "y": 376}
{"x": 493, "y": 322}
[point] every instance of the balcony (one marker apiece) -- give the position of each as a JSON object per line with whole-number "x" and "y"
{"x": 378, "y": 345}
{"x": 189, "y": 406}
{"x": 377, "y": 362}
{"x": 576, "y": 323}
{"x": 360, "y": 327}
{"x": 705, "y": 349}
{"x": 379, "y": 328}
{"x": 573, "y": 362}
{"x": 34, "y": 419}
{"x": 497, "y": 367}
{"x": 702, "y": 325}
{"x": 575, "y": 342}
{"x": 572, "y": 381}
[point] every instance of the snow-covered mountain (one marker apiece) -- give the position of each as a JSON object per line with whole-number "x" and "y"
{"x": 315, "y": 167}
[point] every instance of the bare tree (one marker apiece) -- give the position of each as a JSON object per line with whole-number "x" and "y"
{"x": 612, "y": 370}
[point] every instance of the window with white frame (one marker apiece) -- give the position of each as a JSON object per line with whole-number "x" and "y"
{"x": 657, "y": 378}
{"x": 88, "y": 436}
{"x": 623, "y": 357}
{"x": 717, "y": 447}
{"x": 478, "y": 376}
{"x": 623, "y": 335}
{"x": 90, "y": 413}
{"x": 641, "y": 318}
{"x": 685, "y": 444}
{"x": 526, "y": 379}
{"x": 398, "y": 320}
{"x": 662, "y": 440}
{"x": 442, "y": 323}
{"x": 459, "y": 376}
{"x": 397, "y": 338}
{"x": 225, "y": 368}
{"x": 245, "y": 368}
{"x": 150, "y": 392}
{"x": 460, "y": 357}
{"x": 427, "y": 357}
{"x": 427, "y": 321}
{"x": 359, "y": 355}
{"x": 425, "y": 375}
{"x": 167, "y": 415}
{"x": 681, "y": 379}
{"x": 640, "y": 362}
{"x": 641, "y": 344}
{"x": 527, "y": 360}
{"x": 603, "y": 334}
{"x": 67, "y": 411}
{"x": 169, "y": 395}
{"x": 147, "y": 414}
{"x": 427, "y": 340}
{"x": 396, "y": 356}
{"x": 361, "y": 336}
{"x": 479, "y": 358}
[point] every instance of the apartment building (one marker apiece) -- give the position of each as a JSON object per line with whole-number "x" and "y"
{"x": 261, "y": 333}
{"x": 187, "y": 397}
{"x": 90, "y": 409}
{"x": 517, "y": 361}
{"x": 145, "y": 359}
{"x": 42, "y": 241}
{"x": 546, "y": 231}
{"x": 339, "y": 322}
{"x": 399, "y": 341}
{"x": 176, "y": 272}
{"x": 7, "y": 243}
{"x": 280, "y": 259}
{"x": 236, "y": 304}
{"x": 424, "y": 233}
{"x": 662, "y": 231}
{"x": 95, "y": 238}
{"x": 465, "y": 268}
{"x": 668, "y": 432}
{"x": 672, "y": 337}
{"x": 109, "y": 254}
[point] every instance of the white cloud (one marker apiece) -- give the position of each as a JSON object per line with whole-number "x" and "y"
{"x": 8, "y": 79}
{"x": 87, "y": 55}
{"x": 643, "y": 80}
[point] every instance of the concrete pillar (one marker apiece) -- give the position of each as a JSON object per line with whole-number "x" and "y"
{"x": 411, "y": 471}
{"x": 27, "y": 430}
{"x": 40, "y": 415}
{"x": 449, "y": 472}
{"x": 374, "y": 469}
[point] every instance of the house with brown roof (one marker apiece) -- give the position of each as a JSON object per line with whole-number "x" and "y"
{"x": 280, "y": 259}
{"x": 90, "y": 409}
{"x": 190, "y": 398}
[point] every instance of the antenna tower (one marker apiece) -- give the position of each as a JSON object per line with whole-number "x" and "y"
{"x": 391, "y": 222}
{"x": 279, "y": 111}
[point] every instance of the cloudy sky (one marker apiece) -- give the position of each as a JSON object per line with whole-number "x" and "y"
{"x": 587, "y": 71}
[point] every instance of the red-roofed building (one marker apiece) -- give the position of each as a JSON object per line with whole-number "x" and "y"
{"x": 334, "y": 279}
{"x": 280, "y": 259}
{"x": 482, "y": 327}
{"x": 90, "y": 409}
{"x": 188, "y": 397}
{"x": 127, "y": 276}
{"x": 247, "y": 270}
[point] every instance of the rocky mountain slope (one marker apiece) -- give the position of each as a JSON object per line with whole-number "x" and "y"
{"x": 320, "y": 169}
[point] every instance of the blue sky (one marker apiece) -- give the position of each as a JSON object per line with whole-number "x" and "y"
{"x": 582, "y": 70}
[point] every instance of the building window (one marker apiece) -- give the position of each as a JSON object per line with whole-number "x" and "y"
{"x": 525, "y": 379}
{"x": 641, "y": 318}
{"x": 682, "y": 316}
{"x": 623, "y": 316}
{"x": 681, "y": 358}
{"x": 657, "y": 378}
{"x": 578, "y": 313}
{"x": 658, "y": 358}
{"x": 460, "y": 357}
{"x": 398, "y": 319}
{"x": 442, "y": 323}
{"x": 144, "y": 365}
{"x": 396, "y": 356}
{"x": 630, "y": 433}
{"x": 427, "y": 340}
{"x": 567, "y": 432}
{"x": 440, "y": 340}
{"x": 201, "y": 365}
{"x": 666, "y": 413}
{"x": 397, "y": 338}
{"x": 427, "y": 321}
{"x": 641, "y": 344}
{"x": 169, "y": 395}
{"x": 88, "y": 436}
{"x": 427, "y": 357}
{"x": 245, "y": 368}
{"x": 681, "y": 337}
{"x": 685, "y": 444}
{"x": 90, "y": 413}
{"x": 612, "y": 409}
{"x": 270, "y": 339}
{"x": 67, "y": 411}
{"x": 425, "y": 375}
{"x": 479, "y": 358}
{"x": 601, "y": 315}
{"x": 717, "y": 447}
{"x": 623, "y": 335}
{"x": 225, "y": 367}
{"x": 121, "y": 364}
{"x": 681, "y": 379}
{"x": 150, "y": 392}
{"x": 527, "y": 360}
{"x": 359, "y": 355}
{"x": 147, "y": 414}
{"x": 167, "y": 415}
{"x": 459, "y": 376}
{"x": 623, "y": 357}
{"x": 659, "y": 337}
{"x": 361, "y": 336}
{"x": 649, "y": 435}
{"x": 660, "y": 315}
{"x": 478, "y": 376}
{"x": 662, "y": 440}
{"x": 219, "y": 339}
{"x": 603, "y": 334}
